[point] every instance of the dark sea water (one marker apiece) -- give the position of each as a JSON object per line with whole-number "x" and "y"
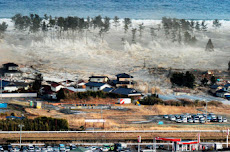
{"x": 135, "y": 9}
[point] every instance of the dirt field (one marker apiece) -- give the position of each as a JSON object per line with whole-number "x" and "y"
{"x": 133, "y": 117}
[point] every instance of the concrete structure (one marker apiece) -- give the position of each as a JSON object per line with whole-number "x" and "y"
{"x": 19, "y": 95}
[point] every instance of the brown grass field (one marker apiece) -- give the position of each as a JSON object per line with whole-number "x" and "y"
{"x": 123, "y": 120}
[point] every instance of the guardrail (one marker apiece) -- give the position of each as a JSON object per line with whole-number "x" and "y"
{"x": 114, "y": 131}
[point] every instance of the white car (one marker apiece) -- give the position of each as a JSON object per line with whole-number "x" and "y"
{"x": 49, "y": 148}
{"x": 225, "y": 120}
{"x": 31, "y": 148}
{"x": 104, "y": 149}
{"x": 196, "y": 120}
{"x": 1, "y": 148}
{"x": 93, "y": 148}
{"x": 172, "y": 118}
{"x": 178, "y": 120}
{"x": 185, "y": 120}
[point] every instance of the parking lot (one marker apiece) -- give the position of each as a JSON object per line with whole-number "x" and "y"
{"x": 196, "y": 118}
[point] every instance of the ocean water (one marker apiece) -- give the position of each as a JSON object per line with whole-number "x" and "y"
{"x": 135, "y": 9}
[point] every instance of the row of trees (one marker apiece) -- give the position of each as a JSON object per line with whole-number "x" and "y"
{"x": 177, "y": 30}
{"x": 183, "y": 79}
{"x": 3, "y": 27}
{"x": 65, "y": 94}
{"x": 37, "y": 124}
{"x": 153, "y": 100}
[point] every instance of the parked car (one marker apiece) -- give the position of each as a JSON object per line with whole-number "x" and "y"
{"x": 172, "y": 118}
{"x": 225, "y": 120}
{"x": 37, "y": 149}
{"x": 62, "y": 147}
{"x": 10, "y": 147}
{"x": 31, "y": 147}
{"x": 166, "y": 116}
{"x": 190, "y": 120}
{"x": 49, "y": 148}
{"x": 179, "y": 121}
{"x": 67, "y": 148}
{"x": 185, "y": 120}
{"x": 75, "y": 147}
{"x": 196, "y": 120}
{"x": 1, "y": 148}
{"x": 55, "y": 148}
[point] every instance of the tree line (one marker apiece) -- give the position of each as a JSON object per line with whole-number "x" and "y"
{"x": 183, "y": 79}
{"x": 66, "y": 94}
{"x": 154, "y": 100}
{"x": 37, "y": 124}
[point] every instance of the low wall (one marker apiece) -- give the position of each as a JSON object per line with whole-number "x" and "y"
{"x": 18, "y": 95}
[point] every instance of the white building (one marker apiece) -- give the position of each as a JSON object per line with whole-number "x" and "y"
{"x": 95, "y": 86}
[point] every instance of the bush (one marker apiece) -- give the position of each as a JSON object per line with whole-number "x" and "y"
{"x": 37, "y": 124}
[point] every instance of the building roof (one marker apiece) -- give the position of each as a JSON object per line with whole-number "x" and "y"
{"x": 124, "y": 75}
{"x": 126, "y": 91}
{"x": 10, "y": 64}
{"x": 107, "y": 89}
{"x": 4, "y": 83}
{"x": 12, "y": 71}
{"x": 55, "y": 84}
{"x": 98, "y": 76}
{"x": 95, "y": 84}
{"x": 214, "y": 86}
{"x": 227, "y": 85}
{"x": 220, "y": 91}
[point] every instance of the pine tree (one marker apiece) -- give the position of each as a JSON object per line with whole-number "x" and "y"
{"x": 229, "y": 66}
{"x": 152, "y": 32}
{"x": 134, "y": 35}
{"x": 209, "y": 46}
{"x": 116, "y": 21}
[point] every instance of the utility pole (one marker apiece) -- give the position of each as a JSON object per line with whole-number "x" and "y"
{"x": 1, "y": 88}
{"x": 206, "y": 109}
{"x": 20, "y": 126}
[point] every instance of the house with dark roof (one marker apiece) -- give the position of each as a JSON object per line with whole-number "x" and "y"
{"x": 221, "y": 93}
{"x": 10, "y": 66}
{"x": 214, "y": 88}
{"x": 96, "y": 86}
{"x": 11, "y": 70}
{"x": 125, "y": 92}
{"x": 123, "y": 80}
{"x": 101, "y": 79}
{"x": 47, "y": 93}
{"x": 227, "y": 87}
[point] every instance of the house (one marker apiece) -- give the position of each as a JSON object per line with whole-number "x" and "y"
{"x": 123, "y": 80}
{"x": 125, "y": 92}
{"x": 67, "y": 83}
{"x": 10, "y": 87}
{"x": 221, "y": 93}
{"x": 10, "y": 67}
{"x": 227, "y": 87}
{"x": 95, "y": 86}
{"x": 214, "y": 88}
{"x": 73, "y": 89}
{"x": 101, "y": 79}
{"x": 47, "y": 93}
{"x": 55, "y": 87}
{"x": 11, "y": 70}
